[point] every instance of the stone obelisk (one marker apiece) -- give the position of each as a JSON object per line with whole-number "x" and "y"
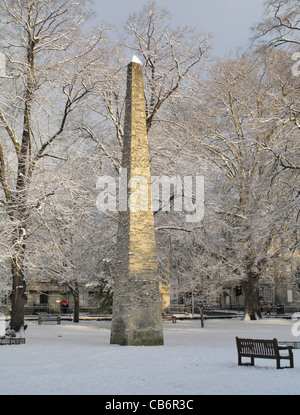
{"x": 136, "y": 319}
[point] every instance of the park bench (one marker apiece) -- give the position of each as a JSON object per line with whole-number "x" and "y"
{"x": 12, "y": 340}
{"x": 264, "y": 349}
{"x": 49, "y": 317}
{"x": 169, "y": 317}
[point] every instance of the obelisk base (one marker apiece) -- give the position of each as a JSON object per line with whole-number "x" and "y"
{"x": 138, "y": 337}
{"x": 137, "y": 325}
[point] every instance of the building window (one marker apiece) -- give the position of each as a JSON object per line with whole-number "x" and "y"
{"x": 266, "y": 294}
{"x": 44, "y": 298}
{"x": 4, "y": 300}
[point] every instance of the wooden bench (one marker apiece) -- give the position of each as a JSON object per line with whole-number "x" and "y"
{"x": 169, "y": 317}
{"x": 264, "y": 349}
{"x": 49, "y": 317}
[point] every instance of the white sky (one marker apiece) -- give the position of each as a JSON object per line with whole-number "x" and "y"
{"x": 228, "y": 20}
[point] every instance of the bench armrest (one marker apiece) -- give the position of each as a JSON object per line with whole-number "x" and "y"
{"x": 285, "y": 347}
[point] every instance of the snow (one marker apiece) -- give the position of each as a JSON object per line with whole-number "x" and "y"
{"x": 136, "y": 60}
{"x": 77, "y": 359}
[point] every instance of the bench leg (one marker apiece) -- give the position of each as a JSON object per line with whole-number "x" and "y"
{"x": 278, "y": 363}
{"x": 284, "y": 367}
{"x": 291, "y": 359}
{"x": 245, "y": 364}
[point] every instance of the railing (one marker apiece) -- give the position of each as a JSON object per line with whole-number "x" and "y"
{"x": 276, "y": 309}
{"x": 45, "y": 308}
{"x": 39, "y": 308}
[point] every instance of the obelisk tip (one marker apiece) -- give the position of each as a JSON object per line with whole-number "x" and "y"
{"x": 136, "y": 60}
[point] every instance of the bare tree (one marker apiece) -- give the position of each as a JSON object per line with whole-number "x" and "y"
{"x": 281, "y": 26}
{"x": 237, "y": 118}
{"x": 204, "y": 269}
{"x": 47, "y": 60}
{"x": 69, "y": 239}
{"x": 280, "y": 30}
{"x": 169, "y": 56}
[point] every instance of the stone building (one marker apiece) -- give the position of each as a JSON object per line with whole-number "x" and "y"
{"x": 277, "y": 287}
{"x": 47, "y": 297}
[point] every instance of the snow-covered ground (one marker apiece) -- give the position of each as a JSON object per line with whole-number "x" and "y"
{"x": 78, "y": 359}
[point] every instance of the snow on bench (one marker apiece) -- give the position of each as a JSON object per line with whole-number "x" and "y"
{"x": 49, "y": 317}
{"x": 12, "y": 340}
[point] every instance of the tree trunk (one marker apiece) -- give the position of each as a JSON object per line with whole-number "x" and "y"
{"x": 193, "y": 305}
{"x": 18, "y": 203}
{"x": 202, "y": 316}
{"x": 252, "y": 305}
{"x": 18, "y": 294}
{"x": 75, "y": 293}
{"x": 76, "y": 308}
{"x": 18, "y": 298}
